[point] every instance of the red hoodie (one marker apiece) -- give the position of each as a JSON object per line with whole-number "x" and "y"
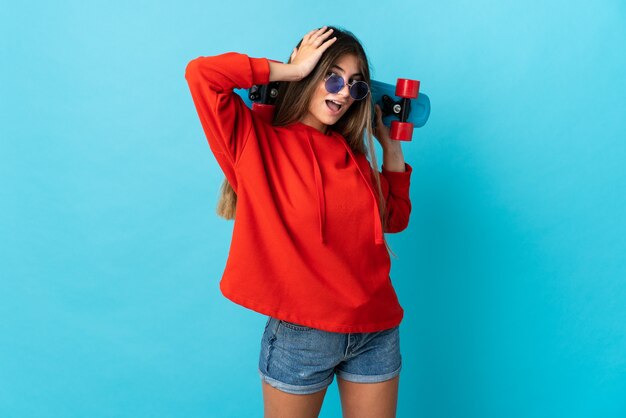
{"x": 307, "y": 244}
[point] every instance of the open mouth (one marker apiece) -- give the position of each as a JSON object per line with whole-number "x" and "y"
{"x": 334, "y": 107}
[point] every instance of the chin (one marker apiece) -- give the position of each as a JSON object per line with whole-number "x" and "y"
{"x": 326, "y": 119}
{"x": 331, "y": 120}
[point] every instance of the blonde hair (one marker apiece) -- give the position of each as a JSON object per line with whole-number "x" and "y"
{"x": 292, "y": 105}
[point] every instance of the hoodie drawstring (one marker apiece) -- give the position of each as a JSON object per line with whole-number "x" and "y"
{"x": 321, "y": 202}
{"x": 378, "y": 228}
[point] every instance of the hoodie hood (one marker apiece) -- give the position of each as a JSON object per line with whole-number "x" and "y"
{"x": 319, "y": 182}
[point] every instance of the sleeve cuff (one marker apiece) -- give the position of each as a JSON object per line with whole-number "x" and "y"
{"x": 398, "y": 178}
{"x": 260, "y": 70}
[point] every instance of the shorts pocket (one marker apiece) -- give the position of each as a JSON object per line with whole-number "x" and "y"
{"x": 295, "y": 327}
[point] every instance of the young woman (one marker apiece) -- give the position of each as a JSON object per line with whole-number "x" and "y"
{"x": 308, "y": 247}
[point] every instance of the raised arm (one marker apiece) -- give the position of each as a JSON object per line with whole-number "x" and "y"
{"x": 395, "y": 186}
{"x": 395, "y": 178}
{"x": 225, "y": 118}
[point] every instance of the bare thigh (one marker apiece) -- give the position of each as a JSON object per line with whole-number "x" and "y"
{"x": 279, "y": 404}
{"x": 369, "y": 400}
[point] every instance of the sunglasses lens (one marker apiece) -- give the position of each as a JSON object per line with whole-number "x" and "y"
{"x": 359, "y": 90}
{"x": 334, "y": 83}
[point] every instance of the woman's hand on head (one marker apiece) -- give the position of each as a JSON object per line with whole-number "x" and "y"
{"x": 311, "y": 49}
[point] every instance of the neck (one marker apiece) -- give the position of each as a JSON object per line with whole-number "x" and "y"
{"x": 315, "y": 125}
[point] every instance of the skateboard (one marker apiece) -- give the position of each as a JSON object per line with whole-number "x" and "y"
{"x": 404, "y": 107}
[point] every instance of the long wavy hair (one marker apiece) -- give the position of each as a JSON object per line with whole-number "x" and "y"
{"x": 292, "y": 105}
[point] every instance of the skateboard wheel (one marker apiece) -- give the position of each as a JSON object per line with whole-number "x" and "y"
{"x": 409, "y": 89}
{"x": 265, "y": 111}
{"x": 401, "y": 131}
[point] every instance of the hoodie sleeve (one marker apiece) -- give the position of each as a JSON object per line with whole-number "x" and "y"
{"x": 226, "y": 120}
{"x": 395, "y": 186}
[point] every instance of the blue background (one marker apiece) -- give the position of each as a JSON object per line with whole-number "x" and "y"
{"x": 511, "y": 272}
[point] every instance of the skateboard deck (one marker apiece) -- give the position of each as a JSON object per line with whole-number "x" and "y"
{"x": 404, "y": 108}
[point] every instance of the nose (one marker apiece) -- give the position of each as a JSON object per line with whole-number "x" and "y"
{"x": 345, "y": 91}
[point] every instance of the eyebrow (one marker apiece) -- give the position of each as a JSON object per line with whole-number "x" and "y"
{"x": 343, "y": 71}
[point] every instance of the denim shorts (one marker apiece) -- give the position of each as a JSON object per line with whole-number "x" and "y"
{"x": 302, "y": 360}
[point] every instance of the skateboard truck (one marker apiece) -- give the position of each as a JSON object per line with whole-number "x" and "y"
{"x": 263, "y": 98}
{"x": 266, "y": 93}
{"x": 406, "y": 89}
{"x": 400, "y": 108}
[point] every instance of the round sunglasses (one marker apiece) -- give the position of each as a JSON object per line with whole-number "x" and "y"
{"x": 358, "y": 89}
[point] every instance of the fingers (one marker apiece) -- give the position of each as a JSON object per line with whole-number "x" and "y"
{"x": 316, "y": 36}
{"x": 313, "y": 32}
{"x": 328, "y": 43}
{"x": 308, "y": 35}
{"x": 379, "y": 127}
{"x": 323, "y": 36}
{"x": 311, "y": 48}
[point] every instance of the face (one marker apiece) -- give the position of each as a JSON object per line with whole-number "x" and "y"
{"x": 320, "y": 114}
